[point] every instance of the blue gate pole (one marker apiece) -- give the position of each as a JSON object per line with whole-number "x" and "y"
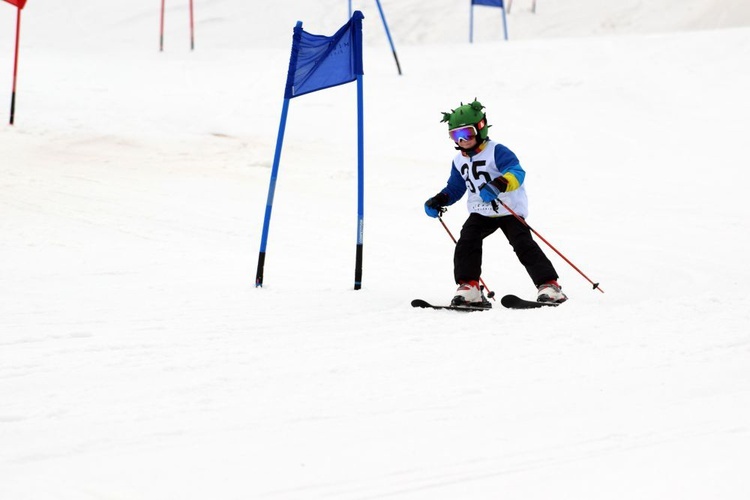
{"x": 360, "y": 183}
{"x": 505, "y": 25}
{"x": 350, "y": 9}
{"x": 388, "y": 34}
{"x": 271, "y": 191}
{"x": 471, "y": 23}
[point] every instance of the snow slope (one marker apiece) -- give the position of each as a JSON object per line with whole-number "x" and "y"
{"x": 138, "y": 360}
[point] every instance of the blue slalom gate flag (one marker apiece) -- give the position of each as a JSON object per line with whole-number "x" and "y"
{"x": 319, "y": 62}
{"x": 488, "y": 3}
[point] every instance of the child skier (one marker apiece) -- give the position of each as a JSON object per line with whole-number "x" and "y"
{"x": 490, "y": 172}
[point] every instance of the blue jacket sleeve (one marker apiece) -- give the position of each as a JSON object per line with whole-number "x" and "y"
{"x": 509, "y": 166}
{"x": 456, "y": 186}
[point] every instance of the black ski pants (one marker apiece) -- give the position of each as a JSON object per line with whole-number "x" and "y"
{"x": 467, "y": 259}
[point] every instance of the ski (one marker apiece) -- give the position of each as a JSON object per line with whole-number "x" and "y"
{"x": 513, "y": 302}
{"x": 426, "y": 305}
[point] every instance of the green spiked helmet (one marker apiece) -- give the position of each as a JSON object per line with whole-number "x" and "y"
{"x": 468, "y": 114}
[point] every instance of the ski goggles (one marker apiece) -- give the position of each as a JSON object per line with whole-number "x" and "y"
{"x": 465, "y": 133}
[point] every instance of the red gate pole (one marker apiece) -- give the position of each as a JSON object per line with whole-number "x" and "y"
{"x": 161, "y": 28}
{"x": 192, "y": 29}
{"x": 15, "y": 68}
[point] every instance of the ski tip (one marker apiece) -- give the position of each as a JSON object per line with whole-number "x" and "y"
{"x": 426, "y": 305}
{"x": 515, "y": 302}
{"x": 509, "y": 300}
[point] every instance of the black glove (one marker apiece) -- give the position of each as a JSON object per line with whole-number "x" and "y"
{"x": 433, "y": 205}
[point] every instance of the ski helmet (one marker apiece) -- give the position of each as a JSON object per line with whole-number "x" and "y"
{"x": 468, "y": 114}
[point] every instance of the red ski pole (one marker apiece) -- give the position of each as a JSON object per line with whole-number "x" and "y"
{"x": 521, "y": 219}
{"x": 490, "y": 293}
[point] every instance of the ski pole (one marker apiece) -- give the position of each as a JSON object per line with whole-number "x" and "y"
{"x": 521, "y": 219}
{"x": 490, "y": 294}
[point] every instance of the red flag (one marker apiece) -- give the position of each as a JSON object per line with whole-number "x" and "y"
{"x": 17, "y": 3}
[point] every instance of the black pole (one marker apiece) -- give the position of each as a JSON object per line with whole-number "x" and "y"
{"x": 259, "y": 272}
{"x": 398, "y": 65}
{"x": 358, "y": 268}
{"x": 12, "y": 107}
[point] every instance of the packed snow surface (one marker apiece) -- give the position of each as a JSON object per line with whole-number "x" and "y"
{"x": 139, "y": 361}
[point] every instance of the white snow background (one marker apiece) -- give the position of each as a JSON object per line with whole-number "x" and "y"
{"x": 139, "y": 361}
